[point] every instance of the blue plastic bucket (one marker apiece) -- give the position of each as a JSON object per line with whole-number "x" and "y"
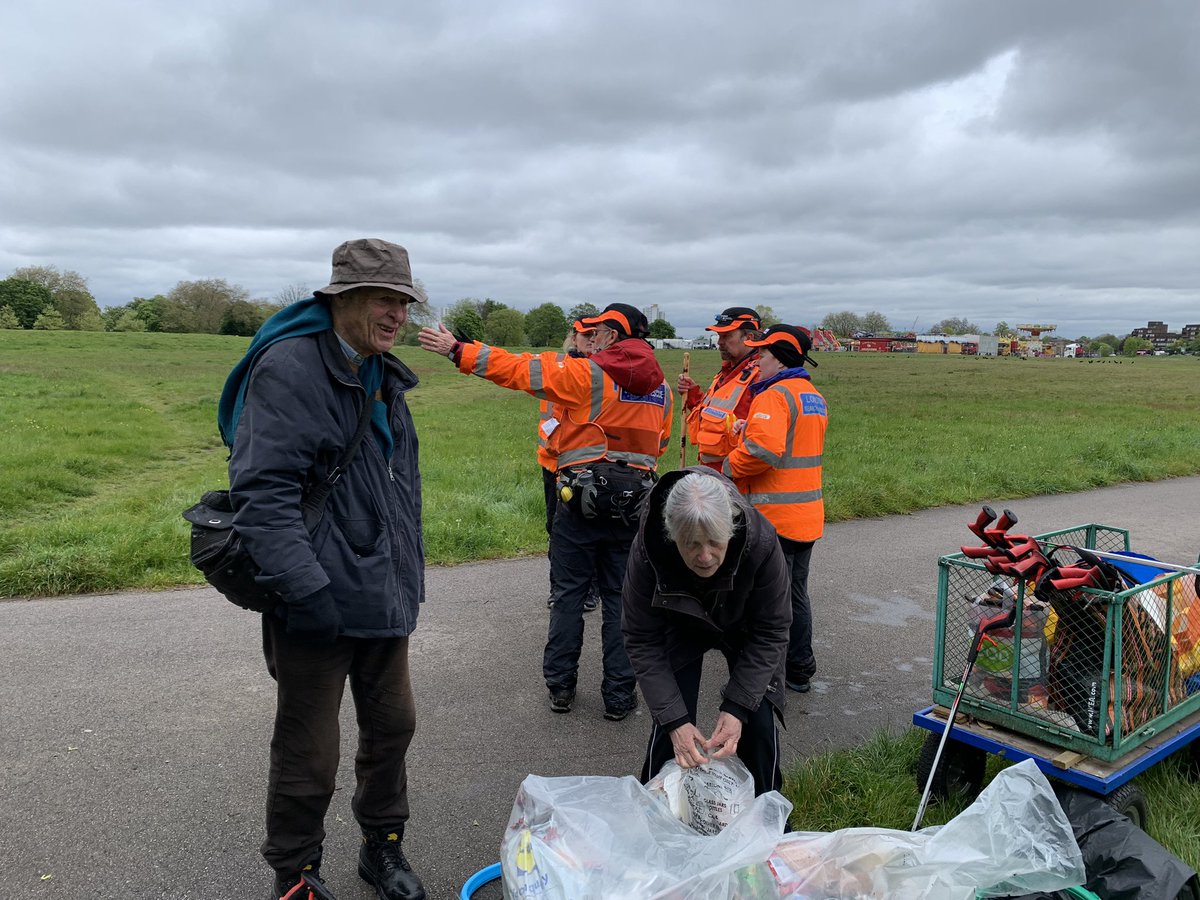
{"x": 479, "y": 879}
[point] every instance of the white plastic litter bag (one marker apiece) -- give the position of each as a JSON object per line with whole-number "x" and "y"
{"x": 1014, "y": 839}
{"x": 707, "y": 797}
{"x": 592, "y": 837}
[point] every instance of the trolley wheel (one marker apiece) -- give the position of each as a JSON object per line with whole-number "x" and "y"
{"x": 1129, "y": 800}
{"x": 960, "y": 770}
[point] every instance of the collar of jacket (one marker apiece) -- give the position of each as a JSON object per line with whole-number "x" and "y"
{"x": 339, "y": 366}
{"x": 798, "y": 372}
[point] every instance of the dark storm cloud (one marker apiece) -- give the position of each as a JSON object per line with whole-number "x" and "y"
{"x": 923, "y": 159}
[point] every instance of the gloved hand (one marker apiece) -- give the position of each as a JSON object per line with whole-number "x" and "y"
{"x": 314, "y": 618}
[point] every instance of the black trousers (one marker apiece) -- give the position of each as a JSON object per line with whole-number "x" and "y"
{"x": 306, "y": 744}
{"x": 758, "y": 747}
{"x": 801, "y": 663}
{"x": 581, "y": 549}
{"x": 550, "y": 491}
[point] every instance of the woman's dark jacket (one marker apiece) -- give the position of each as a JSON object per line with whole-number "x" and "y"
{"x": 301, "y": 411}
{"x": 671, "y": 617}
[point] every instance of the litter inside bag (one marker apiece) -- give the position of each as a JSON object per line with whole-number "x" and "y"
{"x": 707, "y": 797}
{"x": 591, "y": 837}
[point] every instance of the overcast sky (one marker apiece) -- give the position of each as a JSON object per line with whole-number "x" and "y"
{"x": 1015, "y": 161}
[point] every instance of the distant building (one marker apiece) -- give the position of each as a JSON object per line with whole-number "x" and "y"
{"x": 1157, "y": 334}
{"x": 1190, "y": 332}
{"x": 653, "y": 313}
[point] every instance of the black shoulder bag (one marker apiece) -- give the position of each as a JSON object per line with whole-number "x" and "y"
{"x": 221, "y": 556}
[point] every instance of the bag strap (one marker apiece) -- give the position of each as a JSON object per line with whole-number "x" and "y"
{"x": 314, "y": 504}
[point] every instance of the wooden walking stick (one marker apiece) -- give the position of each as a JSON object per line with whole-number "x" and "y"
{"x": 687, "y": 360}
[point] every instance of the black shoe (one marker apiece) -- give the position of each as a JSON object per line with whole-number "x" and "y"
{"x": 381, "y": 862}
{"x": 561, "y": 700}
{"x": 617, "y": 713}
{"x": 590, "y": 603}
{"x": 305, "y": 885}
{"x": 799, "y": 685}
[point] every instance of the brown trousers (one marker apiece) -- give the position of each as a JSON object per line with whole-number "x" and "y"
{"x": 305, "y": 747}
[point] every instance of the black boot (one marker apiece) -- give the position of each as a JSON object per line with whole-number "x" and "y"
{"x": 381, "y": 862}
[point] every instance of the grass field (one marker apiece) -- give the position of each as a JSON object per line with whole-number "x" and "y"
{"x": 108, "y": 436}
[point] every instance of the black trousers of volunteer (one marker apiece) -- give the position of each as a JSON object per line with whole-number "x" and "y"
{"x": 581, "y": 548}
{"x": 801, "y": 663}
{"x": 550, "y": 490}
{"x": 305, "y": 745}
{"x": 758, "y": 746}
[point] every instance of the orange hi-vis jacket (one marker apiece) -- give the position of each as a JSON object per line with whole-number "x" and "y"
{"x": 545, "y": 416}
{"x": 777, "y": 465}
{"x": 710, "y": 422}
{"x": 626, "y": 418}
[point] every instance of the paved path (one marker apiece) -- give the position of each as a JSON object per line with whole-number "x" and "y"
{"x": 134, "y": 727}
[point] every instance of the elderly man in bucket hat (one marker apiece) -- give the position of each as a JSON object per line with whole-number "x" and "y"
{"x": 351, "y": 589}
{"x": 710, "y": 416}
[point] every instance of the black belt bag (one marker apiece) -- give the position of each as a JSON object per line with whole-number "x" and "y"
{"x": 609, "y": 491}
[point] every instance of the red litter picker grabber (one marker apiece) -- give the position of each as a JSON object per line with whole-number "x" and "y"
{"x": 1000, "y": 620}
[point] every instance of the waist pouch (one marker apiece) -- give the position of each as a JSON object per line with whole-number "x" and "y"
{"x": 610, "y": 491}
{"x": 218, "y": 552}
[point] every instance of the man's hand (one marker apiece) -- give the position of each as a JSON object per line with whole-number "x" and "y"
{"x": 314, "y": 618}
{"x": 688, "y": 743}
{"x": 725, "y": 737}
{"x": 440, "y": 341}
{"x": 685, "y": 384}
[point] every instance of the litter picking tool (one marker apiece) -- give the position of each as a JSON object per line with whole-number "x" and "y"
{"x": 687, "y": 362}
{"x": 1000, "y": 620}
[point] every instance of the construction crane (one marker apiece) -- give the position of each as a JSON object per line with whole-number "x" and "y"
{"x": 1035, "y": 331}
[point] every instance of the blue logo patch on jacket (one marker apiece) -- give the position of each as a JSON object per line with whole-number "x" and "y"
{"x": 812, "y": 405}
{"x": 658, "y": 396}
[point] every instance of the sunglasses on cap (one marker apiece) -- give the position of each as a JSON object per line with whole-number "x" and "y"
{"x": 745, "y": 318}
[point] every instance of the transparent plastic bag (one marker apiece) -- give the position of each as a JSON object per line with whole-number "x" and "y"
{"x": 1013, "y": 839}
{"x": 707, "y": 797}
{"x": 592, "y": 837}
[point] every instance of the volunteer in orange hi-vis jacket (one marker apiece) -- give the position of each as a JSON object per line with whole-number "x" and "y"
{"x": 578, "y": 343}
{"x": 710, "y": 417}
{"x": 614, "y": 424}
{"x": 777, "y": 466}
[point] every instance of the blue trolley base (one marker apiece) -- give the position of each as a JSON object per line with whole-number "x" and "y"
{"x": 1078, "y": 769}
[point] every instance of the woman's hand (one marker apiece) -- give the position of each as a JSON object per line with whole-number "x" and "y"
{"x": 725, "y": 737}
{"x": 439, "y": 341}
{"x": 688, "y": 743}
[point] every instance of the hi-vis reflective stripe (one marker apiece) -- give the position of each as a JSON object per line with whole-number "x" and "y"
{"x": 535, "y": 379}
{"x": 719, "y": 406}
{"x": 581, "y": 454}
{"x": 481, "y": 361}
{"x": 597, "y": 391}
{"x": 781, "y": 462}
{"x": 784, "y": 497}
{"x": 710, "y": 458}
{"x": 638, "y": 460}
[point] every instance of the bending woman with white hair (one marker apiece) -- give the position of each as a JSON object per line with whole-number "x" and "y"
{"x": 706, "y": 573}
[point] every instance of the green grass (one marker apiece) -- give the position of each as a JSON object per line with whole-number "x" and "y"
{"x": 875, "y": 786}
{"x": 108, "y": 436}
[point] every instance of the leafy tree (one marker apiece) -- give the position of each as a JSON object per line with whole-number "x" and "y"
{"x": 50, "y": 319}
{"x": 545, "y": 325}
{"x": 955, "y": 325}
{"x": 1003, "y": 329}
{"x": 25, "y": 298}
{"x": 661, "y": 328}
{"x": 129, "y": 321}
{"x": 489, "y": 306}
{"x": 1100, "y": 348}
{"x": 876, "y": 323}
{"x": 51, "y": 279}
{"x": 463, "y": 318}
{"x": 243, "y": 318}
{"x": 1111, "y": 339}
{"x": 8, "y": 318}
{"x": 766, "y": 315}
{"x": 1133, "y": 344}
{"x": 286, "y": 296}
{"x": 74, "y": 305}
{"x": 582, "y": 310}
{"x": 1193, "y": 346}
{"x": 842, "y": 324}
{"x": 90, "y": 321}
{"x": 206, "y": 301}
{"x": 505, "y": 328}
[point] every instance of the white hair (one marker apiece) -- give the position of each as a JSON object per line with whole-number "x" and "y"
{"x": 700, "y": 508}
